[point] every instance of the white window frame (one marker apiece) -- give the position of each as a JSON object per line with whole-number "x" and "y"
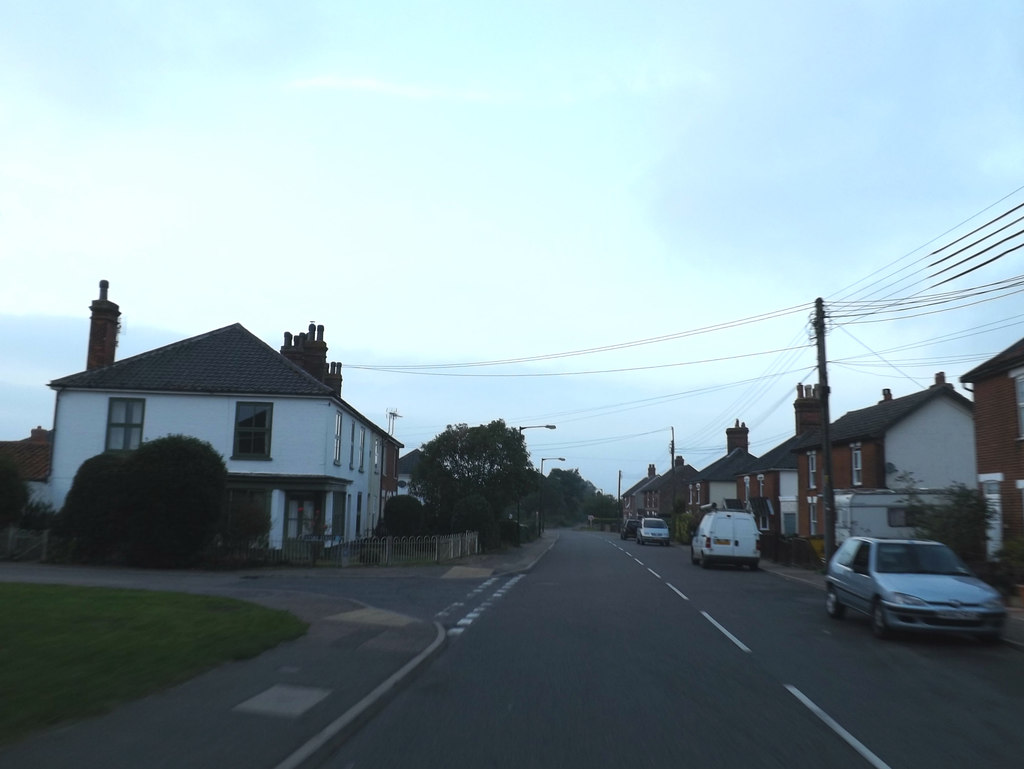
{"x": 1018, "y": 377}
{"x": 338, "y": 423}
{"x": 812, "y": 469}
{"x": 812, "y": 514}
{"x": 856, "y": 465}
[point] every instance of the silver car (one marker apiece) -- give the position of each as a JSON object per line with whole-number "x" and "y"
{"x": 907, "y": 584}
{"x": 652, "y": 530}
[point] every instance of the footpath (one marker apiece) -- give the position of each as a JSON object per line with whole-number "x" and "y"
{"x": 288, "y": 708}
{"x": 292, "y": 706}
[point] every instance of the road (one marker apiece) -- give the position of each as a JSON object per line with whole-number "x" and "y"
{"x": 611, "y": 654}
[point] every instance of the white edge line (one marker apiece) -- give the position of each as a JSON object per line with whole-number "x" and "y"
{"x": 673, "y": 589}
{"x": 831, "y": 723}
{"x": 337, "y": 726}
{"x": 652, "y": 571}
{"x": 727, "y": 634}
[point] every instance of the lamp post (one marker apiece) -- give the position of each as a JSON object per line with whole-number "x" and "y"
{"x": 518, "y": 523}
{"x": 540, "y": 503}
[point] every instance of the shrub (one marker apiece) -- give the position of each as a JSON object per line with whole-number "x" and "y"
{"x": 403, "y": 516}
{"x": 175, "y": 492}
{"x": 93, "y": 516}
{"x": 473, "y": 513}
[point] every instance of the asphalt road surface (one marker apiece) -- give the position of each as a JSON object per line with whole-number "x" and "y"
{"x": 612, "y": 654}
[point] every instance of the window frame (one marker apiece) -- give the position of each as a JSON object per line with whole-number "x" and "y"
{"x": 339, "y": 423}
{"x": 131, "y": 430}
{"x": 856, "y": 464}
{"x": 812, "y": 469}
{"x": 265, "y": 431}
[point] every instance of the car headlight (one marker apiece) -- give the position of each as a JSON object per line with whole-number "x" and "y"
{"x": 993, "y": 604}
{"x": 908, "y": 600}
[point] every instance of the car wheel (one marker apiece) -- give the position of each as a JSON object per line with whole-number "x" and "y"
{"x": 693, "y": 556}
{"x": 833, "y": 606}
{"x": 752, "y": 565}
{"x": 639, "y": 540}
{"x": 703, "y": 561}
{"x": 878, "y": 624}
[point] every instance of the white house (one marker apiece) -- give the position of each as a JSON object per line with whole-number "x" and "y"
{"x": 292, "y": 446}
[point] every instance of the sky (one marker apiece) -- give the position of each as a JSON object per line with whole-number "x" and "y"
{"x": 613, "y": 217}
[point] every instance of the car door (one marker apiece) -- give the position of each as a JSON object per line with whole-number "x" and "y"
{"x": 860, "y": 588}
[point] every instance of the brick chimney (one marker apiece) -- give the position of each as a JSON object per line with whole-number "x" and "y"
{"x": 940, "y": 379}
{"x": 680, "y": 462}
{"x": 737, "y": 437}
{"x": 103, "y": 326}
{"x": 807, "y": 408}
{"x": 651, "y": 472}
{"x": 39, "y": 435}
{"x": 333, "y": 378}
{"x": 886, "y": 395}
{"x": 308, "y": 350}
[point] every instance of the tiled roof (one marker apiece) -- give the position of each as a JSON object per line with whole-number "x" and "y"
{"x": 875, "y": 421}
{"x": 227, "y": 360}
{"x": 408, "y": 463}
{"x": 728, "y": 467}
{"x": 32, "y": 458}
{"x": 1011, "y": 357}
{"x": 681, "y": 473}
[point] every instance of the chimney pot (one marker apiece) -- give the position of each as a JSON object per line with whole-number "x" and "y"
{"x": 940, "y": 378}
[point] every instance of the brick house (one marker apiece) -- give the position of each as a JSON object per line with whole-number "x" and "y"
{"x": 998, "y": 386}
{"x": 768, "y": 486}
{"x": 927, "y": 436}
{"x": 660, "y": 492}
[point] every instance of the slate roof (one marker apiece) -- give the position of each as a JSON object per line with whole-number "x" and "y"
{"x": 408, "y": 463}
{"x": 779, "y": 458}
{"x": 874, "y": 421}
{"x": 728, "y": 467}
{"x": 1011, "y": 357}
{"x": 227, "y": 360}
{"x": 681, "y": 473}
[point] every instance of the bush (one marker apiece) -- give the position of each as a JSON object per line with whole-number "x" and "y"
{"x": 13, "y": 492}
{"x": 961, "y": 522}
{"x": 175, "y": 491}
{"x": 404, "y": 516}
{"x": 94, "y": 516}
{"x": 473, "y": 513}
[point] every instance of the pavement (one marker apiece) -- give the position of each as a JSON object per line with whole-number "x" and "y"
{"x": 292, "y": 706}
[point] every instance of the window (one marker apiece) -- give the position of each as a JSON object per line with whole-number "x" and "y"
{"x": 376, "y": 456}
{"x": 812, "y": 469}
{"x": 861, "y": 558}
{"x": 124, "y": 423}
{"x": 856, "y": 460}
{"x": 812, "y": 507}
{"x": 362, "y": 448}
{"x": 1020, "y": 405}
{"x": 252, "y": 430}
{"x": 337, "y": 438}
{"x": 899, "y": 516}
{"x": 352, "y": 448}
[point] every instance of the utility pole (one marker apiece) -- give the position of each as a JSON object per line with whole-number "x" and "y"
{"x": 672, "y": 470}
{"x": 828, "y": 491}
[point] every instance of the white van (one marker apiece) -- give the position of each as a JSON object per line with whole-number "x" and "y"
{"x": 727, "y": 536}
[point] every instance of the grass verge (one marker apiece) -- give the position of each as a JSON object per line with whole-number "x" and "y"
{"x": 71, "y": 652}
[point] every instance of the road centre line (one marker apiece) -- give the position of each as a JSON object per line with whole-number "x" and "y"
{"x": 673, "y": 589}
{"x": 726, "y": 633}
{"x": 652, "y": 571}
{"x": 832, "y": 724}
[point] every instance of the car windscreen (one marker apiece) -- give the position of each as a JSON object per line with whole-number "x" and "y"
{"x": 917, "y": 558}
{"x": 655, "y": 523}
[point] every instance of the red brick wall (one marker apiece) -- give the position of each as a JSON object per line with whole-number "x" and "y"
{"x": 998, "y": 445}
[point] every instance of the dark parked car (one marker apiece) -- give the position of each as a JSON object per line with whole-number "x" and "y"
{"x": 629, "y": 528}
{"x": 907, "y": 584}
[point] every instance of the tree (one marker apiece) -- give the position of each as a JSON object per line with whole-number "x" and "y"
{"x": 175, "y": 493}
{"x": 489, "y": 460}
{"x": 13, "y": 492}
{"x": 960, "y": 521}
{"x": 403, "y": 516}
{"x": 474, "y": 513}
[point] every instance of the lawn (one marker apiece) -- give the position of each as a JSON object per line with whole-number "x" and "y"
{"x": 71, "y": 652}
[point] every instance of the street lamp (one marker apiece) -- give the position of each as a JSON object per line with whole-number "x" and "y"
{"x": 540, "y": 503}
{"x": 518, "y": 523}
